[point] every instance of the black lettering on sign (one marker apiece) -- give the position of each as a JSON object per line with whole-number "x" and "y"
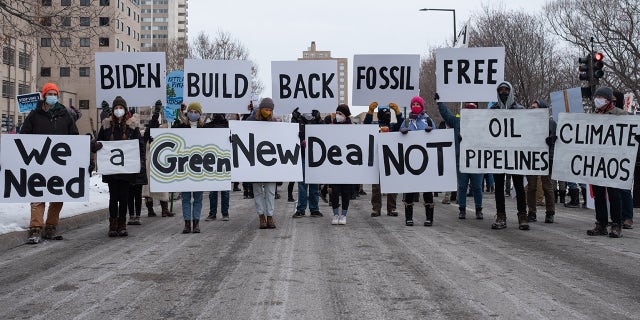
{"x": 333, "y": 154}
{"x": 33, "y": 184}
{"x": 264, "y": 148}
{"x": 141, "y": 75}
{"x": 58, "y": 151}
{"x": 215, "y": 85}
{"x": 394, "y": 77}
{"x": 117, "y": 157}
{"x": 481, "y": 75}
{"x": 505, "y": 128}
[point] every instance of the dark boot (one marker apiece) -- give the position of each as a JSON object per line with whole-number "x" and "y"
{"x": 122, "y": 226}
{"x": 270, "y": 223}
{"x": 584, "y": 197}
{"x": 250, "y": 196}
{"x": 598, "y": 230}
{"x": 408, "y": 215}
{"x": 532, "y": 217}
{"x": 556, "y": 193}
{"x": 479, "y": 215}
{"x": 34, "y": 235}
{"x": 165, "y": 209}
{"x": 50, "y": 233}
{"x": 428, "y": 208}
{"x": 548, "y": 217}
{"x": 149, "y": 204}
{"x": 562, "y": 194}
{"x": 616, "y": 231}
{"x": 501, "y": 221}
{"x": 462, "y": 214}
{"x": 196, "y": 226}
{"x": 522, "y": 221}
{"x": 187, "y": 226}
{"x": 113, "y": 227}
{"x": 263, "y": 221}
{"x": 574, "y": 199}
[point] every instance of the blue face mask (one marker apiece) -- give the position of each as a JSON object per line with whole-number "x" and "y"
{"x": 51, "y": 100}
{"x": 193, "y": 116}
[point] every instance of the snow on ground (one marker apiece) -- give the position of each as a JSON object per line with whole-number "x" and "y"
{"x": 16, "y": 216}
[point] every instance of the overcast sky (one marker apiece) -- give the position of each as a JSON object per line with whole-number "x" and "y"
{"x": 279, "y": 30}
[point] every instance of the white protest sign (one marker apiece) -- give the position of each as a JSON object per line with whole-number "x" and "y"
{"x": 417, "y": 161}
{"x": 44, "y": 168}
{"x": 138, "y": 77}
{"x": 305, "y": 84}
{"x": 469, "y": 74}
{"x": 265, "y": 151}
{"x": 341, "y": 154}
{"x": 221, "y": 86}
{"x": 568, "y": 100}
{"x": 504, "y": 141}
{"x": 385, "y": 78}
{"x": 187, "y": 159}
{"x": 596, "y": 149}
{"x": 119, "y": 157}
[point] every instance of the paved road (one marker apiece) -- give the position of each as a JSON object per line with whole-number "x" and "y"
{"x": 373, "y": 268}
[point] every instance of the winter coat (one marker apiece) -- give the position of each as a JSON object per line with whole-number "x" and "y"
{"x": 418, "y": 122}
{"x": 110, "y": 131}
{"x": 453, "y": 122}
{"x": 57, "y": 120}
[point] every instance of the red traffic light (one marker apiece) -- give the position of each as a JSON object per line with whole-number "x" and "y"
{"x": 598, "y": 56}
{"x": 598, "y": 64}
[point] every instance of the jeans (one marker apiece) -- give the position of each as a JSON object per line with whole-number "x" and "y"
{"x": 307, "y": 193}
{"x": 626, "y": 203}
{"x": 489, "y": 179}
{"x": 600, "y": 197}
{"x": 264, "y": 196}
{"x": 476, "y": 188}
{"x": 518, "y": 184}
{"x": 213, "y": 202}
{"x": 187, "y": 213}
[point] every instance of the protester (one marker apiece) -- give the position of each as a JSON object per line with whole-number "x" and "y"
{"x": 247, "y": 187}
{"x": 418, "y": 119}
{"x": 340, "y": 192}
{"x": 626, "y": 195}
{"x": 218, "y": 121}
{"x": 307, "y": 193}
{"x": 162, "y": 197}
{"x": 135, "y": 195}
{"x": 49, "y": 118}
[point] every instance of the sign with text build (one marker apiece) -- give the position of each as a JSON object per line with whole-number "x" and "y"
{"x": 221, "y": 86}
{"x": 385, "y": 78}
{"x": 304, "y": 84}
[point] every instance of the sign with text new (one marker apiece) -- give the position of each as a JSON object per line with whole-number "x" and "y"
{"x": 119, "y": 157}
{"x": 504, "y": 141}
{"x": 187, "y": 159}
{"x": 305, "y": 84}
{"x": 385, "y": 78}
{"x": 417, "y": 161}
{"x": 596, "y": 149}
{"x": 138, "y": 77}
{"x": 341, "y": 154}
{"x": 469, "y": 74}
{"x": 44, "y": 168}
{"x": 221, "y": 86}
{"x": 265, "y": 151}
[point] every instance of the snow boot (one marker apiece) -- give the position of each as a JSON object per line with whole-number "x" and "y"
{"x": 462, "y": 214}
{"x": 562, "y": 194}
{"x": 501, "y": 221}
{"x": 408, "y": 215}
{"x": 113, "y": 227}
{"x": 616, "y": 231}
{"x": 187, "y": 226}
{"x": 122, "y": 226}
{"x": 574, "y": 199}
{"x": 149, "y": 204}
{"x": 479, "y": 215}
{"x": 50, "y": 233}
{"x": 598, "y": 230}
{"x": 532, "y": 217}
{"x": 428, "y": 208}
{"x": 196, "y": 226}
{"x": 263, "y": 221}
{"x": 548, "y": 216}
{"x": 34, "y": 235}
{"x": 165, "y": 209}
{"x": 523, "y": 223}
{"x": 270, "y": 223}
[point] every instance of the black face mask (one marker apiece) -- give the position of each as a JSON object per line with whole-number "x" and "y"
{"x": 384, "y": 117}
{"x": 504, "y": 97}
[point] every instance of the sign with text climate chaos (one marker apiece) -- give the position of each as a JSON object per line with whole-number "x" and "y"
{"x": 221, "y": 86}
{"x": 504, "y": 141}
{"x": 596, "y": 149}
{"x": 44, "y": 168}
{"x": 469, "y": 74}
{"x": 138, "y": 77}
{"x": 385, "y": 78}
{"x": 304, "y": 84}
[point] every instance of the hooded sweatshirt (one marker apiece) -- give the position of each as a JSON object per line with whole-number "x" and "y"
{"x": 511, "y": 101}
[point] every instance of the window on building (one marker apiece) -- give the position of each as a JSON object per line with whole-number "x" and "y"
{"x": 84, "y": 71}
{"x": 104, "y": 21}
{"x": 45, "y": 72}
{"x": 85, "y": 21}
{"x": 85, "y": 2}
{"x": 85, "y": 42}
{"x": 65, "y": 21}
{"x": 24, "y": 61}
{"x": 129, "y": 11}
{"x": 65, "y": 42}
{"x": 46, "y": 3}
{"x": 104, "y": 3}
{"x": 103, "y": 42}
{"x": 8, "y": 89}
{"x": 23, "y": 88}
{"x": 45, "y": 42}
{"x": 65, "y": 3}
{"x": 45, "y": 21}
{"x": 128, "y": 48}
{"x": 128, "y": 31}
{"x": 9, "y": 56}
{"x": 83, "y": 104}
{"x": 65, "y": 71}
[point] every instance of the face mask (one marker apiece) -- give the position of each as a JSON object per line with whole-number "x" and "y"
{"x": 118, "y": 113}
{"x": 416, "y": 109}
{"x": 193, "y": 116}
{"x": 340, "y": 118}
{"x": 51, "y": 100}
{"x": 504, "y": 97}
{"x": 599, "y": 102}
{"x": 266, "y": 113}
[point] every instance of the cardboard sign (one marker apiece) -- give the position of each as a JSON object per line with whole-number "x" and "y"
{"x": 265, "y": 151}
{"x": 119, "y": 157}
{"x": 221, "y": 86}
{"x": 596, "y": 149}
{"x": 44, "y": 168}
{"x": 504, "y": 141}
{"x": 385, "y": 78}
{"x": 469, "y": 74}
{"x": 305, "y": 84}
{"x": 568, "y": 100}
{"x": 341, "y": 154}
{"x": 138, "y": 77}
{"x": 175, "y": 89}
{"x": 187, "y": 159}
{"x": 28, "y": 102}
{"x": 417, "y": 161}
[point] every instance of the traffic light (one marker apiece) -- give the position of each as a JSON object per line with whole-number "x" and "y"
{"x": 585, "y": 68}
{"x": 598, "y": 64}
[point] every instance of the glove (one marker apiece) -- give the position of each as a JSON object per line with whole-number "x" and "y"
{"x": 428, "y": 129}
{"x": 303, "y": 143}
{"x": 295, "y": 115}
{"x": 459, "y": 139}
{"x": 372, "y": 107}
{"x": 394, "y": 107}
{"x": 436, "y": 97}
{"x": 157, "y": 107}
{"x": 183, "y": 107}
{"x": 316, "y": 116}
{"x": 404, "y": 130}
{"x": 97, "y": 146}
{"x": 552, "y": 139}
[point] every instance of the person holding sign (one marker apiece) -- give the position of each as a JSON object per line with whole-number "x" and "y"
{"x": 418, "y": 120}
{"x": 49, "y": 117}
{"x": 119, "y": 126}
{"x": 307, "y": 193}
{"x": 162, "y": 197}
{"x": 218, "y": 120}
{"x": 385, "y": 125}
{"x": 340, "y": 191}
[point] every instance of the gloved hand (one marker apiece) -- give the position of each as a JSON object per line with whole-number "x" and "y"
{"x": 394, "y": 107}
{"x": 157, "y": 107}
{"x": 459, "y": 139}
{"x": 428, "y": 129}
{"x": 295, "y": 115}
{"x": 303, "y": 143}
{"x": 404, "y": 130}
{"x": 436, "y": 97}
{"x": 551, "y": 140}
{"x": 97, "y": 146}
{"x": 372, "y": 107}
{"x": 316, "y": 116}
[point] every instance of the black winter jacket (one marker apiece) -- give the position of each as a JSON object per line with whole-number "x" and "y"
{"x": 55, "y": 121}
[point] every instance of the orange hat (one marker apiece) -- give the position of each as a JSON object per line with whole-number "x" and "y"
{"x": 48, "y": 87}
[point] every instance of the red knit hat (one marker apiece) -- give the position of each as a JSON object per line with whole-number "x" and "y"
{"x": 417, "y": 99}
{"x": 48, "y": 87}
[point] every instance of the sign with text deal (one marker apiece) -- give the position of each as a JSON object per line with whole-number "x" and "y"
{"x": 305, "y": 84}
{"x": 385, "y": 78}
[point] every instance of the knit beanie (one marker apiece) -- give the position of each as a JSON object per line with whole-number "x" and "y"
{"x": 195, "y": 106}
{"x": 604, "y": 92}
{"x": 48, "y": 87}
{"x": 119, "y": 101}
{"x": 344, "y": 109}
{"x": 417, "y": 99}
{"x": 266, "y": 103}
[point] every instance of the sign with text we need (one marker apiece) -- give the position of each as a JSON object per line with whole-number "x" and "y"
{"x": 596, "y": 149}
{"x": 385, "y": 78}
{"x": 265, "y": 151}
{"x": 417, "y": 161}
{"x": 221, "y": 86}
{"x": 469, "y": 74}
{"x": 44, "y": 168}
{"x": 119, "y": 157}
{"x": 504, "y": 141}
{"x": 138, "y": 77}
{"x": 304, "y": 84}
{"x": 341, "y": 154}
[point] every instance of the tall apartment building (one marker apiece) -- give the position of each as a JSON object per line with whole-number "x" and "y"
{"x": 162, "y": 21}
{"x": 67, "y": 58}
{"x": 343, "y": 89}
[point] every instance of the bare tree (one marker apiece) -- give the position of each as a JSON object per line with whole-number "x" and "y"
{"x": 176, "y": 51}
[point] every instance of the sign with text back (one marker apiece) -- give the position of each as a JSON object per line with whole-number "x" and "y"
{"x": 304, "y": 84}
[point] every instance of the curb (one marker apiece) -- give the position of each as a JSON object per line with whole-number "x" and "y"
{"x": 17, "y": 238}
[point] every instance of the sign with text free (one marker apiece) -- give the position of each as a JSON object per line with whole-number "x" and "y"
{"x": 265, "y": 151}
{"x": 504, "y": 141}
{"x": 44, "y": 168}
{"x": 469, "y": 74}
{"x": 221, "y": 86}
{"x": 417, "y": 161}
{"x": 305, "y": 84}
{"x": 138, "y": 77}
{"x": 121, "y": 156}
{"x": 341, "y": 154}
{"x": 596, "y": 149}
{"x": 385, "y": 78}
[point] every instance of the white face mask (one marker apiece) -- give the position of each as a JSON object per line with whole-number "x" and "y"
{"x": 599, "y": 102}
{"x": 340, "y": 118}
{"x": 118, "y": 113}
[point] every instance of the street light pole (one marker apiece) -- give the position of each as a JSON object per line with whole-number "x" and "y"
{"x": 455, "y": 33}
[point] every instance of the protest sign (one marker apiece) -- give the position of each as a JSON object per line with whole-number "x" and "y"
{"x": 221, "y": 86}
{"x": 305, "y": 84}
{"x": 385, "y": 78}
{"x": 28, "y": 102}
{"x": 121, "y": 156}
{"x": 568, "y": 100}
{"x": 175, "y": 89}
